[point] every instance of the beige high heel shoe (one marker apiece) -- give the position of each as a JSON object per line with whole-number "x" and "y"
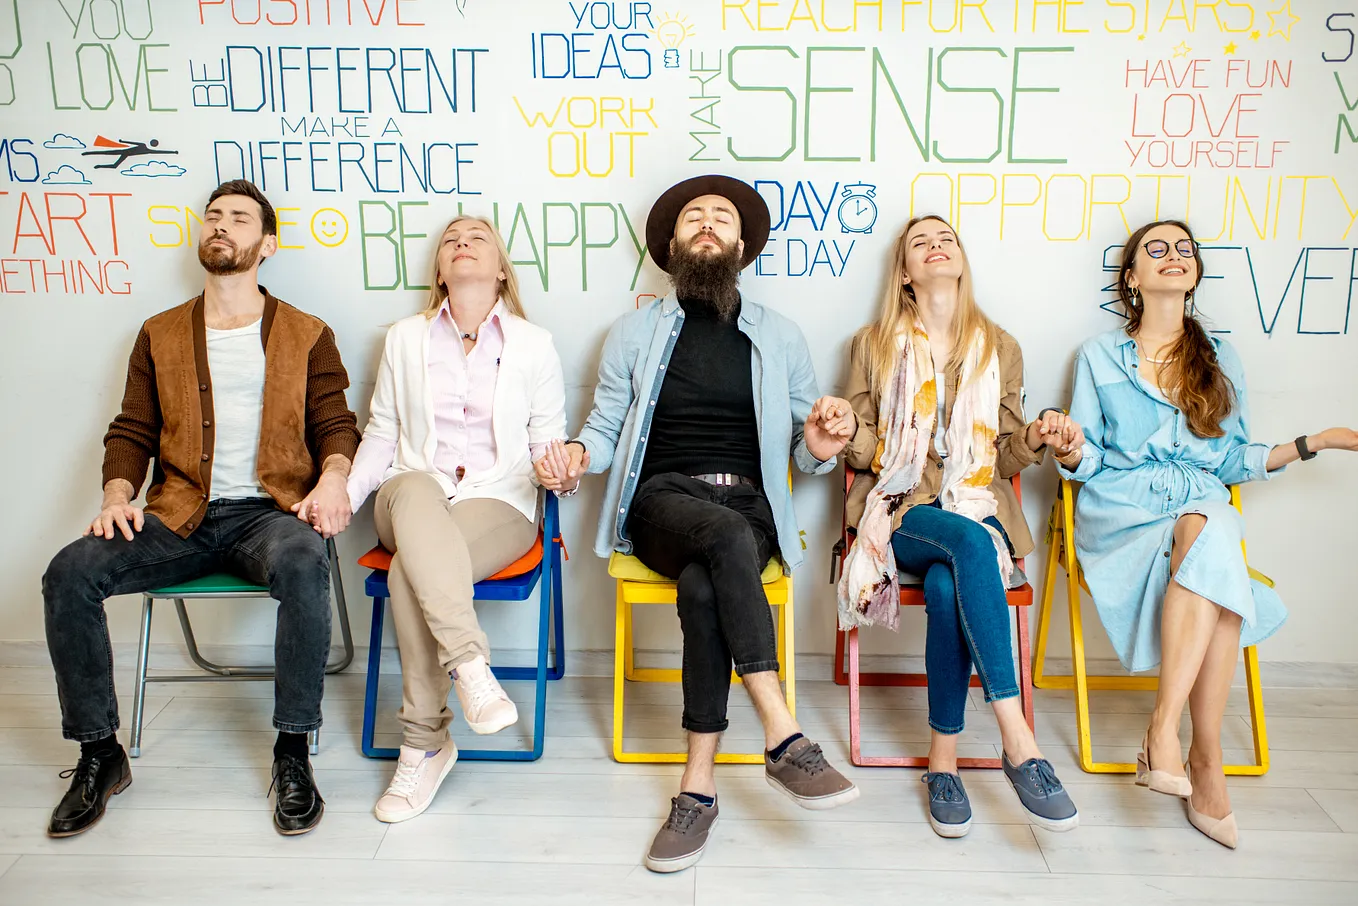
{"x": 1223, "y": 830}
{"x": 1159, "y": 781}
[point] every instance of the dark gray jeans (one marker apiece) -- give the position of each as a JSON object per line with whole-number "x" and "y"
{"x": 249, "y": 538}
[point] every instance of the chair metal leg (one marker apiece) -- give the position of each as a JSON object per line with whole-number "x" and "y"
{"x": 342, "y": 610}
{"x": 139, "y": 689}
{"x": 558, "y": 617}
{"x": 313, "y": 741}
{"x": 370, "y": 691}
{"x": 341, "y": 607}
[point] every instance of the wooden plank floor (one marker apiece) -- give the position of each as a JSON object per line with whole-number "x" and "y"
{"x": 195, "y": 826}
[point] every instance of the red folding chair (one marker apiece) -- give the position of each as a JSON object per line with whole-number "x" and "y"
{"x": 913, "y": 595}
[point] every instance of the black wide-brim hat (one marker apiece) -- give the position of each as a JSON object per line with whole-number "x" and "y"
{"x": 754, "y": 214}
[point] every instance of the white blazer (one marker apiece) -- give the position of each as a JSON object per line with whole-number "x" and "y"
{"x": 529, "y": 408}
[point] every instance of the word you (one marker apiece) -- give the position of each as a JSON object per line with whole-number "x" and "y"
{"x": 607, "y": 39}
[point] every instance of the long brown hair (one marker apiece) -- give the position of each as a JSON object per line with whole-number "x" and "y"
{"x": 509, "y": 286}
{"x": 1195, "y": 380}
{"x": 878, "y": 340}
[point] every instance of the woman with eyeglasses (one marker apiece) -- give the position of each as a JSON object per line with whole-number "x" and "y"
{"x": 1163, "y": 408}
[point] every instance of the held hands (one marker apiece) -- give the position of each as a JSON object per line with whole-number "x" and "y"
{"x": 1060, "y": 432}
{"x": 829, "y": 427}
{"x": 562, "y": 466}
{"x": 116, "y": 511}
{"x": 326, "y": 508}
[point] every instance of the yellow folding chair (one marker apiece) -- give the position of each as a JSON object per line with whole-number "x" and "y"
{"x": 1061, "y": 552}
{"x": 637, "y": 584}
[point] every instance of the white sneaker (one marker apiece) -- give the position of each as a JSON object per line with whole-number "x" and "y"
{"x": 415, "y": 782}
{"x": 484, "y": 703}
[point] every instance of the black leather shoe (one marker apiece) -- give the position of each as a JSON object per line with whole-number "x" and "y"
{"x": 94, "y": 780}
{"x": 299, "y": 805}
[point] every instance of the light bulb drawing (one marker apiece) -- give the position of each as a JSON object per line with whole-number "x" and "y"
{"x": 673, "y": 29}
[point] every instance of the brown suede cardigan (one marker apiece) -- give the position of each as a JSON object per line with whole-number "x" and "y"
{"x": 1012, "y": 456}
{"x": 167, "y": 411}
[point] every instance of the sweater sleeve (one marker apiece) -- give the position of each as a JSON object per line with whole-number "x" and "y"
{"x": 1014, "y": 454}
{"x": 332, "y": 426}
{"x": 133, "y": 438}
{"x": 862, "y": 448}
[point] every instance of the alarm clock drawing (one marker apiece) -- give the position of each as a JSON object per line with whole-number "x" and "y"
{"x": 857, "y": 212}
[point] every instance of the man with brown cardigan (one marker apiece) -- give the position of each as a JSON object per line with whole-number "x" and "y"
{"x": 238, "y": 399}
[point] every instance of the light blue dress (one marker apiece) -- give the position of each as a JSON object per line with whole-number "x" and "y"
{"x": 1142, "y": 469}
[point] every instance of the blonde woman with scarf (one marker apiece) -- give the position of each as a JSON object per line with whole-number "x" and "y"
{"x": 937, "y": 388}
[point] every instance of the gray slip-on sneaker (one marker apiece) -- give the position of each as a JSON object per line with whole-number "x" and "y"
{"x": 949, "y": 808}
{"x": 682, "y": 839}
{"x": 1042, "y": 795}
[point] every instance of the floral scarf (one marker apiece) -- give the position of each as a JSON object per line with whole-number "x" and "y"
{"x": 868, "y": 590}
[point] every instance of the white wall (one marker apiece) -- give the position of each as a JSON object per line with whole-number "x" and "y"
{"x": 1272, "y": 190}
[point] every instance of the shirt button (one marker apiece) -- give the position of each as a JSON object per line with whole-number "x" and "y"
{"x": 674, "y": 333}
{"x": 207, "y": 424}
{"x": 205, "y": 457}
{"x": 652, "y": 402}
{"x": 623, "y": 510}
{"x": 202, "y": 386}
{"x": 662, "y": 367}
{"x": 940, "y": 465}
{"x": 1176, "y": 411}
{"x": 643, "y": 438}
{"x": 1166, "y": 553}
{"x": 189, "y": 525}
{"x": 1176, "y": 443}
{"x": 633, "y": 475}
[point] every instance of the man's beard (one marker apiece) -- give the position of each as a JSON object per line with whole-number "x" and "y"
{"x": 223, "y": 262}
{"x": 708, "y": 277}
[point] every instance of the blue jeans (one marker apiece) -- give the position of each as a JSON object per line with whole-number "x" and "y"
{"x": 964, "y": 601}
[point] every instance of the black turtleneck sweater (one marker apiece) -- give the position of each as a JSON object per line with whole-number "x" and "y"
{"x": 704, "y": 418}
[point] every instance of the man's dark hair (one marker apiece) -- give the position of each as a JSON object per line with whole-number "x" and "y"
{"x": 249, "y": 190}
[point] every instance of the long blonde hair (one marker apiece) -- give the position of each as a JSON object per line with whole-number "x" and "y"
{"x": 509, "y": 286}
{"x": 879, "y": 341}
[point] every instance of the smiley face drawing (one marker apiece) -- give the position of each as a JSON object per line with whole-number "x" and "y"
{"x": 329, "y": 227}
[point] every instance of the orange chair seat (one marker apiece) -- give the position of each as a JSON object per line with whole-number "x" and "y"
{"x": 379, "y": 558}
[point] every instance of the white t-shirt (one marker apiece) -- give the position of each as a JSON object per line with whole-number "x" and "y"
{"x": 236, "y": 361}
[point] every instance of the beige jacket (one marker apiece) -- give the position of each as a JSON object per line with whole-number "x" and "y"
{"x": 1013, "y": 455}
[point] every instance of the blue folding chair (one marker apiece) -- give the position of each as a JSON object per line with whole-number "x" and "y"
{"x": 540, "y": 567}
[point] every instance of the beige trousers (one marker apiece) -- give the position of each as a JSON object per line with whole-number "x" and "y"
{"x": 440, "y": 549}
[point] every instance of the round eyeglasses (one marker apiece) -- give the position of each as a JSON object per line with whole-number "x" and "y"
{"x": 1159, "y": 248}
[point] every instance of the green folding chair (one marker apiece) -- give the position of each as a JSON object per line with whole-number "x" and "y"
{"x": 222, "y": 585}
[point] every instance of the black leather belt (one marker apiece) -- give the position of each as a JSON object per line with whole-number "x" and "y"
{"x": 725, "y": 479}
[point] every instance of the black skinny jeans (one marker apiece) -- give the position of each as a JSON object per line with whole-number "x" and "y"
{"x": 714, "y": 541}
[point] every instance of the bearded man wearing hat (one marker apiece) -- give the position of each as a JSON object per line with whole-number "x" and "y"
{"x": 702, "y": 397}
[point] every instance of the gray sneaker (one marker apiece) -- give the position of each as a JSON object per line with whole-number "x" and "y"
{"x": 682, "y": 840}
{"x": 949, "y": 808}
{"x": 1042, "y": 795}
{"x": 803, "y": 774}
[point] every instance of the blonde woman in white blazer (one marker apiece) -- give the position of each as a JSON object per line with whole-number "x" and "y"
{"x": 469, "y": 394}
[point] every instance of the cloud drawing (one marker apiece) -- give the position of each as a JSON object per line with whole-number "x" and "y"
{"x": 63, "y": 142}
{"x": 65, "y": 175}
{"x": 153, "y": 169}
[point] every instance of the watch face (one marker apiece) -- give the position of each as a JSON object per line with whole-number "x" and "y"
{"x": 857, "y": 214}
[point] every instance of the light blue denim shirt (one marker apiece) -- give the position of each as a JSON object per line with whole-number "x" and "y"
{"x": 635, "y": 357}
{"x": 1143, "y": 470}
{"x": 1128, "y": 423}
